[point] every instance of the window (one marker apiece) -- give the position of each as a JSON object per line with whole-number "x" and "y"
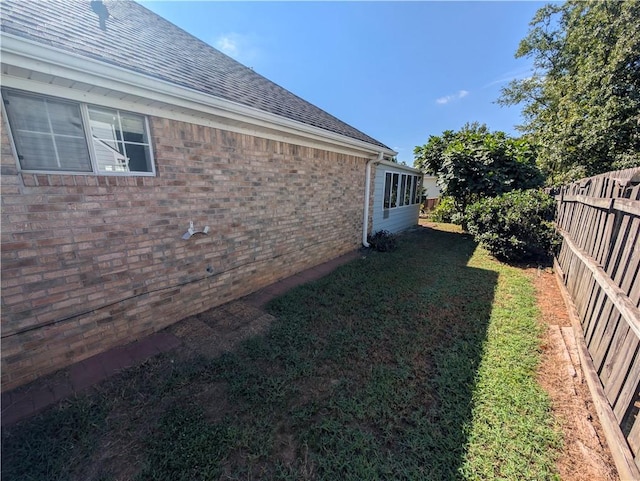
{"x": 400, "y": 190}
{"x": 403, "y": 189}
{"x": 417, "y": 194}
{"x": 63, "y": 136}
{"x": 393, "y": 200}
{"x": 387, "y": 190}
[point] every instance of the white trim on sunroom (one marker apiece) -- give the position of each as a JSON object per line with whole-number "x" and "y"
{"x": 404, "y": 212}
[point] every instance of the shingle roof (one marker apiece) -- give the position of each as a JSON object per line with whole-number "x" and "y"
{"x": 139, "y": 40}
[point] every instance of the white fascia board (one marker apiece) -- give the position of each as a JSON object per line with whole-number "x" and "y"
{"x": 145, "y": 106}
{"x": 400, "y": 167}
{"x": 57, "y": 62}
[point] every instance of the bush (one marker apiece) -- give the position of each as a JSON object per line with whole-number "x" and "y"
{"x": 515, "y": 226}
{"x": 445, "y": 211}
{"x": 383, "y": 241}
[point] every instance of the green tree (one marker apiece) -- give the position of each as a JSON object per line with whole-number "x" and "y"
{"x": 474, "y": 163}
{"x": 582, "y": 104}
{"x": 429, "y": 157}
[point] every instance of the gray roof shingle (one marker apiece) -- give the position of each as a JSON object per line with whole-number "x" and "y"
{"x": 139, "y": 40}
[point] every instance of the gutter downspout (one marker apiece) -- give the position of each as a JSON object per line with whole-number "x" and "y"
{"x": 367, "y": 196}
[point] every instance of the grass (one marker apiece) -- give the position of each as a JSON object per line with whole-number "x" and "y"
{"x": 416, "y": 364}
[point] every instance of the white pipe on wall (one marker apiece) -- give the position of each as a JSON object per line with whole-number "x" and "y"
{"x": 367, "y": 197}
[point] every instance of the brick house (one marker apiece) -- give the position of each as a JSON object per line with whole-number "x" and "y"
{"x": 120, "y": 131}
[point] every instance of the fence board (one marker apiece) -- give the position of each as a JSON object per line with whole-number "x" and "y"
{"x": 606, "y": 236}
{"x": 594, "y": 334}
{"x": 634, "y": 436}
{"x": 595, "y": 304}
{"x": 630, "y": 276}
{"x": 610, "y": 320}
{"x": 620, "y": 233}
{"x": 628, "y": 388}
{"x": 601, "y": 228}
{"x": 599, "y": 220}
{"x": 617, "y": 367}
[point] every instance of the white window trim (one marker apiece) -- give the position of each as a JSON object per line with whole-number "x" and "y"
{"x": 84, "y": 112}
{"x": 410, "y": 184}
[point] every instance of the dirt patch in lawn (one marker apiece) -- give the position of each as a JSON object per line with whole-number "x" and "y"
{"x": 585, "y": 453}
{"x": 222, "y": 328}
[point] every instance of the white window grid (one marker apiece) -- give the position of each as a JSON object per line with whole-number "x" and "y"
{"x": 410, "y": 181}
{"x": 89, "y": 138}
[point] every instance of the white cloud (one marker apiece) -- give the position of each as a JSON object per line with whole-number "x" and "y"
{"x": 450, "y": 98}
{"x": 227, "y": 44}
{"x": 238, "y": 46}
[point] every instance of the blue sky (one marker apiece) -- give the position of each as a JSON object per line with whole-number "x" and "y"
{"x": 398, "y": 71}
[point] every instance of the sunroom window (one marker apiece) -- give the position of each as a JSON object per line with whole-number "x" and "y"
{"x": 401, "y": 190}
{"x": 51, "y": 135}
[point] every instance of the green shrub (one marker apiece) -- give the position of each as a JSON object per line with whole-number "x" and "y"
{"x": 383, "y": 241}
{"x": 445, "y": 211}
{"x": 515, "y": 226}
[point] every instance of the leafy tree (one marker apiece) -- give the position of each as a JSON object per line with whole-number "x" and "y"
{"x": 429, "y": 157}
{"x": 475, "y": 163}
{"x": 582, "y": 104}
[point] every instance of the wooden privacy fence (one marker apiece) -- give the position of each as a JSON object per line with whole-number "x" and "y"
{"x": 598, "y": 263}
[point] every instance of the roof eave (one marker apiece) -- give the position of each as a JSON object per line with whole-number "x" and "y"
{"x": 50, "y": 60}
{"x": 395, "y": 165}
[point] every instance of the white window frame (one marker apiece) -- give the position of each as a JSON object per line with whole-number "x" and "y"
{"x": 88, "y": 135}
{"x": 412, "y": 184}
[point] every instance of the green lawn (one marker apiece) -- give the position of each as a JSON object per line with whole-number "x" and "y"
{"x": 418, "y": 364}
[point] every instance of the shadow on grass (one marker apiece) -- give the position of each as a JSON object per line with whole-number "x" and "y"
{"x": 391, "y": 349}
{"x": 367, "y": 374}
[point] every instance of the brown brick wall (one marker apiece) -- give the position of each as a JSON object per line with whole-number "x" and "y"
{"x": 90, "y": 262}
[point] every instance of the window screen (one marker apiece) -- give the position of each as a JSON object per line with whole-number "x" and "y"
{"x": 48, "y": 133}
